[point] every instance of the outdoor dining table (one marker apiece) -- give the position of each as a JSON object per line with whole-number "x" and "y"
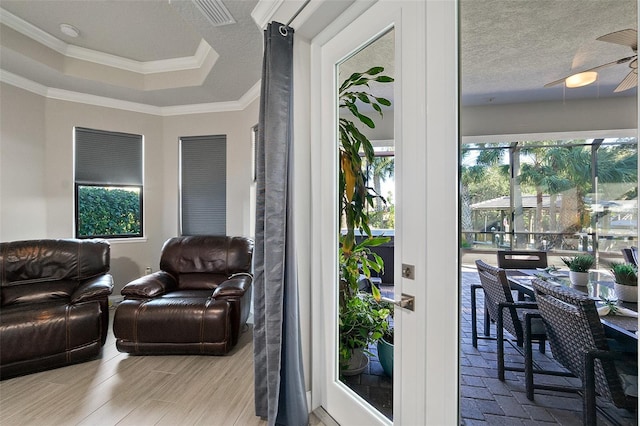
{"x": 600, "y": 288}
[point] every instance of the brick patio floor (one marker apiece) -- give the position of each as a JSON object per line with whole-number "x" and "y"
{"x": 485, "y": 400}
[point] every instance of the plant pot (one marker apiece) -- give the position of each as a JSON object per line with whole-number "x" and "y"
{"x": 579, "y": 279}
{"x": 626, "y": 293}
{"x": 357, "y": 363}
{"x": 385, "y": 355}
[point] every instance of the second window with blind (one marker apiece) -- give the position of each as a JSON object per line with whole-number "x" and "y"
{"x": 203, "y": 185}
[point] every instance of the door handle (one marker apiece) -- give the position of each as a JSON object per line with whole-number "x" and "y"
{"x": 406, "y": 301}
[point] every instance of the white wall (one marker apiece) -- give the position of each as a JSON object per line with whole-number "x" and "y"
{"x": 23, "y": 206}
{"x": 37, "y": 171}
{"x": 550, "y": 117}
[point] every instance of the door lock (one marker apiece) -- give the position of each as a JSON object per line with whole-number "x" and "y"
{"x": 408, "y": 271}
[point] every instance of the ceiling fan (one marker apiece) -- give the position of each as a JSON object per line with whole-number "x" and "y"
{"x": 628, "y": 37}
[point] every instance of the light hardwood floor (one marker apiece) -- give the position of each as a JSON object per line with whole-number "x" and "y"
{"x": 138, "y": 390}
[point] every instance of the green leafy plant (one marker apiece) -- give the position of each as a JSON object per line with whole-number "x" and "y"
{"x": 612, "y": 305}
{"x": 625, "y": 273}
{"x": 354, "y": 192}
{"x": 362, "y": 321}
{"x": 579, "y": 263}
{"x": 362, "y": 318}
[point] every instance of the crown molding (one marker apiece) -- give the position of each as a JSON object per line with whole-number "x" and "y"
{"x": 69, "y": 50}
{"x": 149, "y": 67}
{"x": 22, "y": 83}
{"x": 251, "y": 95}
{"x": 33, "y": 32}
{"x": 102, "y": 101}
{"x": 264, "y": 11}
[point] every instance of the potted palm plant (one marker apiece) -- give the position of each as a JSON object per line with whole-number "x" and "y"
{"x": 626, "y": 281}
{"x": 579, "y": 268}
{"x": 362, "y": 320}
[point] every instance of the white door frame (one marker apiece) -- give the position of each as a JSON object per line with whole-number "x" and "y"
{"x": 426, "y": 370}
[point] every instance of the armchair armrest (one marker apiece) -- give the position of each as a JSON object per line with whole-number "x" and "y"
{"x": 148, "y": 286}
{"x": 93, "y": 289}
{"x": 236, "y": 286}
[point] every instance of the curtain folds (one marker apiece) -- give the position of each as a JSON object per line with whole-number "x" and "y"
{"x": 280, "y": 394}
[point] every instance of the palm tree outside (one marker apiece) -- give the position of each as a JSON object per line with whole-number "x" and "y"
{"x": 576, "y": 183}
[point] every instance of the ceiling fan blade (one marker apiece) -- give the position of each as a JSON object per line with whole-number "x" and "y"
{"x": 628, "y": 37}
{"x": 608, "y": 64}
{"x": 630, "y": 81}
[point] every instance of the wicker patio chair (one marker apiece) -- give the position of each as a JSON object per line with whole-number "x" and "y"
{"x": 578, "y": 342}
{"x": 515, "y": 259}
{"x": 507, "y": 313}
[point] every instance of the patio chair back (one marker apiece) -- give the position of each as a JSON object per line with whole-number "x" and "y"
{"x": 630, "y": 255}
{"x": 573, "y": 329}
{"x": 522, "y": 259}
{"x": 497, "y": 290}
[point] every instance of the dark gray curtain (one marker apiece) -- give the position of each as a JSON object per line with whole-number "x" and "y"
{"x": 280, "y": 395}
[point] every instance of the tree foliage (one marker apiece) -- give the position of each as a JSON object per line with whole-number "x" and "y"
{"x": 108, "y": 212}
{"x": 550, "y": 168}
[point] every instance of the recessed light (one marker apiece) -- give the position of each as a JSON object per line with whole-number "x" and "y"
{"x": 69, "y": 30}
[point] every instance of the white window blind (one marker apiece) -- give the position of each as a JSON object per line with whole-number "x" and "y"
{"x": 203, "y": 195}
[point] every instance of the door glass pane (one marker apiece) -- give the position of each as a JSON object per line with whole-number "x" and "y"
{"x": 367, "y": 218}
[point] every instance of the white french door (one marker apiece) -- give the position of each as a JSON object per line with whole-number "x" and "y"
{"x": 426, "y": 233}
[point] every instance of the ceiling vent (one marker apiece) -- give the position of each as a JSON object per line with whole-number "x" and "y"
{"x": 215, "y": 11}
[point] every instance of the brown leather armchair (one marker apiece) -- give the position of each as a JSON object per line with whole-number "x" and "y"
{"x": 54, "y": 307}
{"x": 197, "y": 303}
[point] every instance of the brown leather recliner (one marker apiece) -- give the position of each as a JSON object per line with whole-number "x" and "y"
{"x": 196, "y": 304}
{"x": 54, "y": 307}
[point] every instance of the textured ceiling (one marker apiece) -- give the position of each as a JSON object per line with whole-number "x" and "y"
{"x": 146, "y": 30}
{"x": 509, "y": 48}
{"x": 512, "y": 48}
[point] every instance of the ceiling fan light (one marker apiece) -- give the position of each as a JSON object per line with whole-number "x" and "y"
{"x": 581, "y": 79}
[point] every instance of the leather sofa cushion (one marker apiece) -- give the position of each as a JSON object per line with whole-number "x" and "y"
{"x": 206, "y": 254}
{"x": 38, "y": 292}
{"x": 50, "y": 260}
{"x": 173, "y": 320}
{"x": 28, "y": 333}
{"x": 199, "y": 281}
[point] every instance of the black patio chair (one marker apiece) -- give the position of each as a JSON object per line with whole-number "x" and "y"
{"x": 578, "y": 343}
{"x": 507, "y": 313}
{"x": 515, "y": 259}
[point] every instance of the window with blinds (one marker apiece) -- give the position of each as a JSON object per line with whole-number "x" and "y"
{"x": 108, "y": 184}
{"x": 203, "y": 185}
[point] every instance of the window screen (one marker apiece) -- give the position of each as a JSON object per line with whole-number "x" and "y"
{"x": 203, "y": 199}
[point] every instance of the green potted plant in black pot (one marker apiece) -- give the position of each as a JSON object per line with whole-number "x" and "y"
{"x": 362, "y": 320}
{"x": 626, "y": 281}
{"x": 579, "y": 268}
